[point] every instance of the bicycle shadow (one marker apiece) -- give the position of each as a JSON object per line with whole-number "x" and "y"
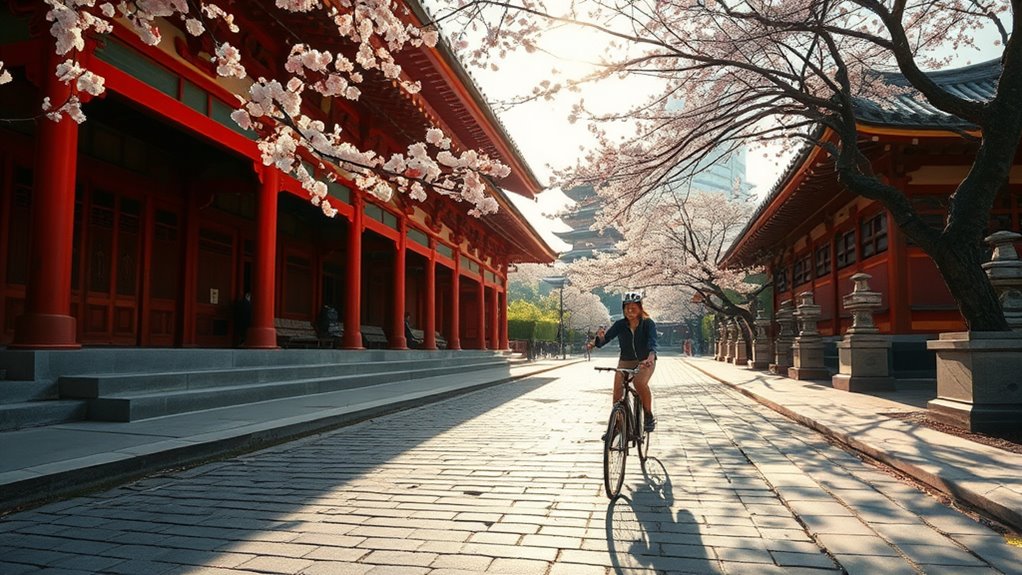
{"x": 645, "y": 531}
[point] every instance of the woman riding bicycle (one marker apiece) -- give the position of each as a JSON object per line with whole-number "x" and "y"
{"x": 636, "y": 334}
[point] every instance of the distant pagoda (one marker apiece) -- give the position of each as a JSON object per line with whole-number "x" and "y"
{"x": 586, "y": 242}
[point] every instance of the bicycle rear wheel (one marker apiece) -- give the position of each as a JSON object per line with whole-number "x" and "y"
{"x": 615, "y": 451}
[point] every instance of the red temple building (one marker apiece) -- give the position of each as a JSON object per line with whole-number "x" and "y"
{"x": 146, "y": 225}
{"x": 812, "y": 234}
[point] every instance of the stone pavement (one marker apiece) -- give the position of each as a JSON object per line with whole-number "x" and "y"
{"x": 985, "y": 477}
{"x": 509, "y": 480}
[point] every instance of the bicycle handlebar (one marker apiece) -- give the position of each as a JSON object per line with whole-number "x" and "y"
{"x": 629, "y": 370}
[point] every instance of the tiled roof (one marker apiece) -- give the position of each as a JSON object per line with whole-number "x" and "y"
{"x": 977, "y": 83}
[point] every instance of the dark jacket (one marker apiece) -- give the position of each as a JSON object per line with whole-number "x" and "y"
{"x": 632, "y": 349}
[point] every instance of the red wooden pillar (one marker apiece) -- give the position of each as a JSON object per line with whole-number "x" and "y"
{"x": 397, "y": 327}
{"x": 494, "y": 320}
{"x": 261, "y": 333}
{"x": 454, "y": 341}
{"x": 429, "y": 330}
{"x": 481, "y": 321}
{"x": 502, "y": 307}
{"x": 47, "y": 322}
{"x": 353, "y": 295}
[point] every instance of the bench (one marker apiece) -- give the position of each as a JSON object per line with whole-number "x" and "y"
{"x": 418, "y": 334}
{"x": 374, "y": 337}
{"x": 298, "y": 333}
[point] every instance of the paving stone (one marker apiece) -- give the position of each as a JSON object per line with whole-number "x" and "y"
{"x": 474, "y": 563}
{"x": 927, "y": 555}
{"x": 574, "y": 569}
{"x": 140, "y": 567}
{"x": 397, "y": 570}
{"x": 518, "y": 567}
{"x": 814, "y": 560}
{"x": 873, "y": 565}
{"x": 335, "y": 554}
{"x": 270, "y": 564}
{"x": 495, "y": 538}
{"x": 857, "y": 545}
{"x": 835, "y": 525}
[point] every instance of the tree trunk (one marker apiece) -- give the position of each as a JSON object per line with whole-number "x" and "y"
{"x": 960, "y": 265}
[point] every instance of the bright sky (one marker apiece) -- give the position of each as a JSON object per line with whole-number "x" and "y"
{"x": 546, "y": 138}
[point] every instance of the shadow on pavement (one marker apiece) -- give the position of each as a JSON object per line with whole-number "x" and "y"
{"x": 645, "y": 531}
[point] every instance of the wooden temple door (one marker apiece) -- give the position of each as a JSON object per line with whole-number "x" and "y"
{"x": 108, "y": 312}
{"x": 162, "y": 303}
{"x": 215, "y": 285}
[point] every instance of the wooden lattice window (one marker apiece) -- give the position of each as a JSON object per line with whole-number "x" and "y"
{"x": 803, "y": 271}
{"x": 874, "y": 235}
{"x": 822, "y": 260}
{"x": 844, "y": 249}
{"x": 781, "y": 279}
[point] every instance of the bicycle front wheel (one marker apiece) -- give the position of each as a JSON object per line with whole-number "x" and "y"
{"x": 615, "y": 451}
{"x": 641, "y": 437}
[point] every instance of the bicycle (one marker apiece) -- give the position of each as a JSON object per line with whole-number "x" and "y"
{"x": 624, "y": 429}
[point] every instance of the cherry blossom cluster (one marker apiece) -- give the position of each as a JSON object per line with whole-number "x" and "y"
{"x": 273, "y": 106}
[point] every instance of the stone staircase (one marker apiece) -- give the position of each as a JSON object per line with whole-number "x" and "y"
{"x": 132, "y": 384}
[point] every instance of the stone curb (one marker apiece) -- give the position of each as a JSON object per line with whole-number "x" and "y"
{"x": 949, "y": 486}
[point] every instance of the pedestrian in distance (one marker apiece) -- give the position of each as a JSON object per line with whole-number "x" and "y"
{"x": 242, "y": 319}
{"x": 410, "y": 338}
{"x": 636, "y": 335}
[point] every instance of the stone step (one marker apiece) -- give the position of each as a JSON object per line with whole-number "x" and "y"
{"x": 122, "y": 384}
{"x": 145, "y": 406}
{"x": 50, "y": 365}
{"x": 40, "y": 413}
{"x": 22, "y": 391}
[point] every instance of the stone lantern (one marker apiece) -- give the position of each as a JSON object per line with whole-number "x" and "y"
{"x": 807, "y": 351}
{"x": 761, "y": 345}
{"x": 785, "y": 337}
{"x": 739, "y": 355}
{"x": 1005, "y": 272}
{"x": 863, "y": 353}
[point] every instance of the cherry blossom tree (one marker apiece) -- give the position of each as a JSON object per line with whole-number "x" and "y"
{"x": 583, "y": 309}
{"x": 674, "y": 257}
{"x": 788, "y": 71}
{"x": 273, "y": 107}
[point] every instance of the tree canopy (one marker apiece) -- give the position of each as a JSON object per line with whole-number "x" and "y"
{"x": 735, "y": 72}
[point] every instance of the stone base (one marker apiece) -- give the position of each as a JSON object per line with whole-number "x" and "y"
{"x": 978, "y": 386}
{"x": 45, "y": 331}
{"x": 809, "y": 373}
{"x": 861, "y": 384}
{"x": 992, "y": 420}
{"x": 777, "y": 369}
{"x": 758, "y": 364}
